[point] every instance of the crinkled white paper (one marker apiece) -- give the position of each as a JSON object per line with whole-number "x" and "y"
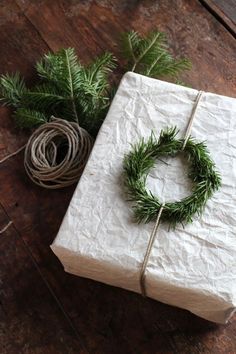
{"x": 192, "y": 267}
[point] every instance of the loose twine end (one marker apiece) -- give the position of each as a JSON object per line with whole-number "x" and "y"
{"x": 12, "y": 154}
{"x": 6, "y": 227}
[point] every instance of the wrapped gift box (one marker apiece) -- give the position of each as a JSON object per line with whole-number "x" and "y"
{"x": 193, "y": 267}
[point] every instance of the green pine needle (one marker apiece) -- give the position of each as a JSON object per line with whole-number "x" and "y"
{"x": 82, "y": 90}
{"x": 79, "y": 93}
{"x": 26, "y": 118}
{"x": 150, "y": 56}
{"x": 43, "y": 97}
{"x": 64, "y": 71}
{"x": 12, "y": 88}
{"x": 141, "y": 159}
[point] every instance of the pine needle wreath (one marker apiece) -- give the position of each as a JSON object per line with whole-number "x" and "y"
{"x": 142, "y": 158}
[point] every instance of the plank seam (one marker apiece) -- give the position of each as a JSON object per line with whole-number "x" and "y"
{"x": 34, "y": 27}
{"x": 217, "y": 16}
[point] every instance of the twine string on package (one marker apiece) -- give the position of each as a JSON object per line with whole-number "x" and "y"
{"x": 157, "y": 223}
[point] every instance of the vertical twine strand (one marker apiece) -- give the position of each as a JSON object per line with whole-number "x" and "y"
{"x": 148, "y": 251}
{"x": 157, "y": 223}
{"x": 190, "y": 124}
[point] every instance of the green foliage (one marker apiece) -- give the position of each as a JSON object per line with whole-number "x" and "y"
{"x": 66, "y": 89}
{"x": 150, "y": 56}
{"x": 142, "y": 158}
{"x": 27, "y": 118}
{"x": 64, "y": 72}
{"x": 82, "y": 90}
{"x": 43, "y": 97}
{"x": 12, "y": 88}
{"x": 79, "y": 93}
{"x": 94, "y": 92}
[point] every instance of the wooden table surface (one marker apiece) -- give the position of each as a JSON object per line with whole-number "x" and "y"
{"x": 43, "y": 309}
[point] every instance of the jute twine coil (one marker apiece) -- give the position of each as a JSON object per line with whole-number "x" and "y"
{"x": 56, "y": 153}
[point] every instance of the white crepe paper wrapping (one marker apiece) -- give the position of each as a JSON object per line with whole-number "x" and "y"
{"x": 193, "y": 267}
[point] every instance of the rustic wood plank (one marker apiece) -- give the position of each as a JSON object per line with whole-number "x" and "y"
{"x": 224, "y": 11}
{"x": 21, "y": 45}
{"x": 30, "y": 319}
{"x": 109, "y": 320}
{"x": 92, "y": 27}
{"x": 228, "y": 7}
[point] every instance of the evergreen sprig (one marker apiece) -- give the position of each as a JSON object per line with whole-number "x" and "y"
{"x": 28, "y": 118}
{"x": 66, "y": 89}
{"x": 79, "y": 93}
{"x": 12, "y": 89}
{"x": 142, "y": 158}
{"x": 150, "y": 55}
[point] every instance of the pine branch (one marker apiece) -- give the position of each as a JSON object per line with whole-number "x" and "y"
{"x": 97, "y": 72}
{"x": 49, "y": 67}
{"x": 168, "y": 68}
{"x": 43, "y": 97}
{"x": 71, "y": 64}
{"x": 79, "y": 93}
{"x": 130, "y": 43}
{"x": 95, "y": 80}
{"x": 63, "y": 70}
{"x": 12, "y": 88}
{"x": 93, "y": 96}
{"x": 149, "y": 48}
{"x": 150, "y": 56}
{"x": 26, "y": 118}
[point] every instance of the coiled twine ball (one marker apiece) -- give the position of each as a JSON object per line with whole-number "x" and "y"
{"x": 56, "y": 153}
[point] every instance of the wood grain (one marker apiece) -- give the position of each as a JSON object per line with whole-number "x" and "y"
{"x": 224, "y": 12}
{"x": 78, "y": 313}
{"x": 94, "y": 26}
{"x": 30, "y": 318}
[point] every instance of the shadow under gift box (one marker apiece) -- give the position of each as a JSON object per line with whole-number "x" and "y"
{"x": 192, "y": 267}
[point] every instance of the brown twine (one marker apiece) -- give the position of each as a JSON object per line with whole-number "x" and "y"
{"x": 12, "y": 154}
{"x": 190, "y": 124}
{"x": 5, "y": 227}
{"x": 148, "y": 252}
{"x": 157, "y": 223}
{"x": 42, "y": 160}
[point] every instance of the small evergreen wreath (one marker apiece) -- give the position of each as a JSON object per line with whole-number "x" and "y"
{"x": 141, "y": 159}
